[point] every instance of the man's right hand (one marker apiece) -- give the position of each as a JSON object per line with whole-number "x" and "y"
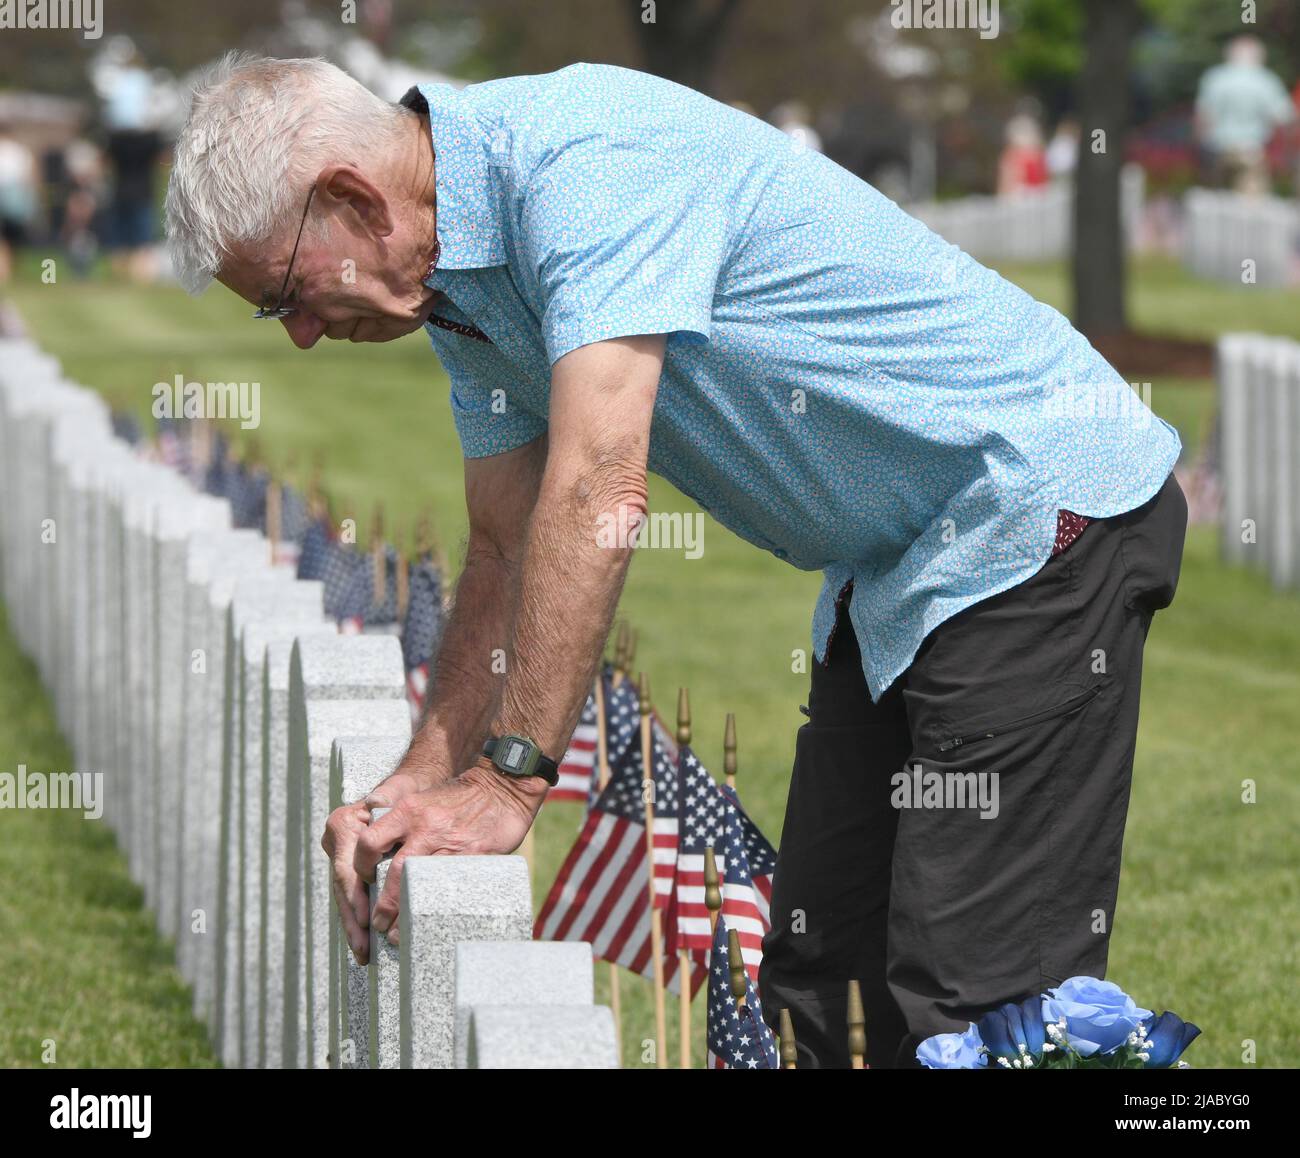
{"x": 342, "y": 831}
{"x": 500, "y": 492}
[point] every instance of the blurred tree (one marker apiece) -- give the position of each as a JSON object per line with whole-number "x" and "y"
{"x": 681, "y": 39}
{"x": 1098, "y": 272}
{"x": 1043, "y": 49}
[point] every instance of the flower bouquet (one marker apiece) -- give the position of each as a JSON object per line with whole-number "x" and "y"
{"x": 1084, "y": 1023}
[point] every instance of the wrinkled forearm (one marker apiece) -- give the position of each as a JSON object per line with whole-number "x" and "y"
{"x": 465, "y": 689}
{"x": 568, "y": 593}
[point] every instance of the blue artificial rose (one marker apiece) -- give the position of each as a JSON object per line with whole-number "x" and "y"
{"x": 1169, "y": 1036}
{"x": 1099, "y": 1015}
{"x": 952, "y": 1051}
{"x": 1005, "y": 1029}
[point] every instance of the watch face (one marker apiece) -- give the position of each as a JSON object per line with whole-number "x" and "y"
{"x": 515, "y": 754}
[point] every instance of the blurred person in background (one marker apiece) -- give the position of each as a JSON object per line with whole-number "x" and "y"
{"x": 134, "y": 146}
{"x": 1063, "y": 150}
{"x": 85, "y": 188}
{"x": 18, "y": 203}
{"x": 1022, "y": 167}
{"x": 1239, "y": 105}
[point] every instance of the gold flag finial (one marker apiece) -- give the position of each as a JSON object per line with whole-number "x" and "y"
{"x": 736, "y": 968}
{"x": 789, "y": 1048}
{"x": 683, "y": 716}
{"x": 712, "y": 889}
{"x": 620, "y": 651}
{"x": 857, "y": 1028}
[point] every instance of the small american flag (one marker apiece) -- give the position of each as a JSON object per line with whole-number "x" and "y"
{"x": 421, "y": 632}
{"x": 577, "y": 773}
{"x": 601, "y": 893}
{"x": 126, "y": 427}
{"x": 712, "y": 817}
{"x": 737, "y": 1038}
{"x": 174, "y": 445}
{"x": 346, "y": 576}
{"x": 216, "y": 481}
{"x": 246, "y": 490}
{"x": 295, "y": 521}
{"x": 314, "y": 553}
{"x": 381, "y": 610}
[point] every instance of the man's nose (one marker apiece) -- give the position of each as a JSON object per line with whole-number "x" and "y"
{"x": 304, "y": 329}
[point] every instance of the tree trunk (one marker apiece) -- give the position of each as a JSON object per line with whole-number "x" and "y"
{"x": 1099, "y": 258}
{"x": 683, "y": 40}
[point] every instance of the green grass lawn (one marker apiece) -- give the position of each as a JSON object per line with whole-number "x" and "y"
{"x": 1206, "y": 877}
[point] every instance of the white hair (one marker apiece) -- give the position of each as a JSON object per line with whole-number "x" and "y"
{"x": 259, "y": 130}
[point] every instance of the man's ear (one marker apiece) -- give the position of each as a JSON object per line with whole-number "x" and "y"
{"x": 343, "y": 187}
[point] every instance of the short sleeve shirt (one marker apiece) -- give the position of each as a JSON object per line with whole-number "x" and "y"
{"x": 841, "y": 386}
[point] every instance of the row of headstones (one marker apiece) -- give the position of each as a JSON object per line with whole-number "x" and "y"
{"x": 226, "y": 717}
{"x": 1259, "y": 428}
{"x": 1035, "y": 225}
{"x": 1238, "y": 238}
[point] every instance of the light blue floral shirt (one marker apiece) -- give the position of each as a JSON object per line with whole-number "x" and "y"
{"x": 841, "y": 387}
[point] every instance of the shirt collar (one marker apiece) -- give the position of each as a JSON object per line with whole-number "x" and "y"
{"x": 469, "y": 225}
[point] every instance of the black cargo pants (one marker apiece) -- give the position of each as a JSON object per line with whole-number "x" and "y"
{"x": 940, "y": 898}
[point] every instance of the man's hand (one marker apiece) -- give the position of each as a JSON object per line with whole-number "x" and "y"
{"x": 478, "y": 813}
{"x": 342, "y": 830}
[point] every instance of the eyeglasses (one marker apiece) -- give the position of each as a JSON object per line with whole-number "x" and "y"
{"x": 280, "y": 310}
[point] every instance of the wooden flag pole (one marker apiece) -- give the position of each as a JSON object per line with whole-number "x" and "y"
{"x": 789, "y": 1048}
{"x": 684, "y": 954}
{"x": 201, "y": 444}
{"x": 274, "y": 498}
{"x": 620, "y": 653}
{"x": 403, "y": 587}
{"x": 857, "y": 1029}
{"x": 602, "y": 780}
{"x": 729, "y": 750}
{"x": 379, "y": 580}
{"x": 656, "y": 916}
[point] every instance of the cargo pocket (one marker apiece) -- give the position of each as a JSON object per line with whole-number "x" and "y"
{"x": 1065, "y": 708}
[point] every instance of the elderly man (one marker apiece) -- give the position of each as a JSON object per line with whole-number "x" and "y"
{"x": 619, "y": 274}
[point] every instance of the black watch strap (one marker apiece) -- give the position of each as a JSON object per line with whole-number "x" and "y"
{"x": 547, "y": 769}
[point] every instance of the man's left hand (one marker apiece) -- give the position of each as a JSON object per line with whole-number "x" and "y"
{"x": 478, "y": 813}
